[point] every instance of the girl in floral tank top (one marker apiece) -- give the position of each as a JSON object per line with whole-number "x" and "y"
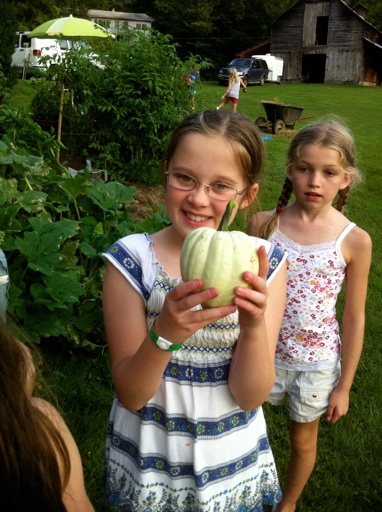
{"x": 314, "y": 367}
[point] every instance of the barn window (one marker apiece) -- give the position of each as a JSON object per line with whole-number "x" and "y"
{"x": 322, "y": 30}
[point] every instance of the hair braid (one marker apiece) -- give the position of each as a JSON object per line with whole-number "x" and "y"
{"x": 342, "y": 197}
{"x": 268, "y": 228}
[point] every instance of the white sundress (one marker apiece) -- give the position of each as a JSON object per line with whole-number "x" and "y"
{"x": 190, "y": 448}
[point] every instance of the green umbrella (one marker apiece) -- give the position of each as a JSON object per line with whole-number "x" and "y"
{"x": 70, "y": 28}
{"x": 75, "y": 29}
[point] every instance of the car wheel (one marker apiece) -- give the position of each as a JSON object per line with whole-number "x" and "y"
{"x": 245, "y": 80}
{"x": 221, "y": 82}
{"x": 262, "y": 80}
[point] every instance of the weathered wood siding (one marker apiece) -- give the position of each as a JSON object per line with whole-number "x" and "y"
{"x": 310, "y": 21}
{"x": 286, "y": 32}
{"x": 345, "y": 29}
{"x": 344, "y": 66}
{"x": 293, "y": 38}
{"x": 286, "y": 41}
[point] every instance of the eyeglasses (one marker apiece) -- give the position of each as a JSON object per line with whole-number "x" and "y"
{"x": 217, "y": 190}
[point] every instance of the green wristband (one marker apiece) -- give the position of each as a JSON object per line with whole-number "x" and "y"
{"x": 162, "y": 343}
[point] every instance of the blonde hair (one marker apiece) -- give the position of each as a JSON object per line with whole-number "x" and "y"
{"x": 328, "y": 134}
{"x": 232, "y": 74}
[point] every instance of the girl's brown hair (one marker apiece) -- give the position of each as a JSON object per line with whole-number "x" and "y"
{"x": 328, "y": 134}
{"x": 240, "y": 132}
{"x": 34, "y": 460}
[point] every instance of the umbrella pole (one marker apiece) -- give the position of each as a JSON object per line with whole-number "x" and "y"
{"x": 60, "y": 120}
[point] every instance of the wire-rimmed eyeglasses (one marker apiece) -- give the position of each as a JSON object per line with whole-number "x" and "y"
{"x": 217, "y": 190}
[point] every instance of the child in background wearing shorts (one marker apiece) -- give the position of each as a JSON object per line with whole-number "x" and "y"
{"x": 314, "y": 368}
{"x": 233, "y": 90}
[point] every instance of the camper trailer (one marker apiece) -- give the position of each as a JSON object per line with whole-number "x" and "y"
{"x": 275, "y": 65}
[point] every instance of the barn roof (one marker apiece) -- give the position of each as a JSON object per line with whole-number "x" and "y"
{"x": 344, "y": 3}
{"x": 376, "y": 46}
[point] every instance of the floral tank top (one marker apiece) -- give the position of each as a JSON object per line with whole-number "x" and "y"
{"x": 310, "y": 335}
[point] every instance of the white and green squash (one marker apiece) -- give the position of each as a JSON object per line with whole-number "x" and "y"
{"x": 219, "y": 258}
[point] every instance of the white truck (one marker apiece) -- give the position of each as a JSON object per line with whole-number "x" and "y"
{"x": 275, "y": 65}
{"x": 28, "y": 51}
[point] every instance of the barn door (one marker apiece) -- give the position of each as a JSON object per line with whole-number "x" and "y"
{"x": 313, "y": 68}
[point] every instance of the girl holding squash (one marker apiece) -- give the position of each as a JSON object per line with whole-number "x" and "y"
{"x": 187, "y": 431}
{"x": 325, "y": 250}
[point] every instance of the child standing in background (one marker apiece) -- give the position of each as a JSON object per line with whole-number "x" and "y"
{"x": 192, "y": 82}
{"x": 313, "y": 367}
{"x": 186, "y": 429}
{"x": 233, "y": 90}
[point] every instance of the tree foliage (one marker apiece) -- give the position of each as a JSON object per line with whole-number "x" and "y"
{"x": 8, "y": 27}
{"x": 213, "y": 29}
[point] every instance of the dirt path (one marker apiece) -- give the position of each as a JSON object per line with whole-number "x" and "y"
{"x": 146, "y": 197}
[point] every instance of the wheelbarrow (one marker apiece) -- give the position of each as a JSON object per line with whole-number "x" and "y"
{"x": 279, "y": 117}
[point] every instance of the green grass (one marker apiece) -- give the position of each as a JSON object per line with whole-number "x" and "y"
{"x": 348, "y": 473}
{"x": 22, "y": 93}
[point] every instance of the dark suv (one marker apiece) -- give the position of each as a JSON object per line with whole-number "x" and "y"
{"x": 250, "y": 69}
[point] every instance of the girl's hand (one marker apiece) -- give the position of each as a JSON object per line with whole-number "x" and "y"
{"x": 252, "y": 301}
{"x": 338, "y": 405}
{"x": 178, "y": 321}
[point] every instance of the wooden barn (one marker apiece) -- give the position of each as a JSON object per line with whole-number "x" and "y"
{"x": 327, "y": 42}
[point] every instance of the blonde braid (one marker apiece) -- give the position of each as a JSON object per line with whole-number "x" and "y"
{"x": 342, "y": 197}
{"x": 268, "y": 228}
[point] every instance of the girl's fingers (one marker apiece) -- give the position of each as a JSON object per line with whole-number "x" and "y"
{"x": 179, "y": 320}
{"x": 186, "y": 296}
{"x": 184, "y": 289}
{"x": 263, "y": 262}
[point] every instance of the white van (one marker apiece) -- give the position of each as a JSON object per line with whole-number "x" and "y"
{"x": 28, "y": 51}
{"x": 275, "y": 65}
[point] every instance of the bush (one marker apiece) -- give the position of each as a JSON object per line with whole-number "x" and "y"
{"x": 53, "y": 229}
{"x": 124, "y": 113}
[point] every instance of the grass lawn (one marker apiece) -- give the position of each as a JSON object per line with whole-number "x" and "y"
{"x": 348, "y": 473}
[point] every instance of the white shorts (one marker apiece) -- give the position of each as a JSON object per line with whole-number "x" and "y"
{"x": 308, "y": 392}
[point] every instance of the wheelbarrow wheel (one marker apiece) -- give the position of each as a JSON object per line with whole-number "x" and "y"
{"x": 278, "y": 126}
{"x": 260, "y": 121}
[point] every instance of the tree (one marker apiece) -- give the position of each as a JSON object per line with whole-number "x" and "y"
{"x": 32, "y": 14}
{"x": 8, "y": 27}
{"x": 375, "y": 12}
{"x": 214, "y": 29}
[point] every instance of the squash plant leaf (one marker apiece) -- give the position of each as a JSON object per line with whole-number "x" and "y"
{"x": 111, "y": 196}
{"x": 32, "y": 200}
{"x": 64, "y": 286}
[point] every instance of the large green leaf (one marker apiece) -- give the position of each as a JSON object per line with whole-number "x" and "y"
{"x": 64, "y": 286}
{"x": 32, "y": 200}
{"x": 111, "y": 196}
